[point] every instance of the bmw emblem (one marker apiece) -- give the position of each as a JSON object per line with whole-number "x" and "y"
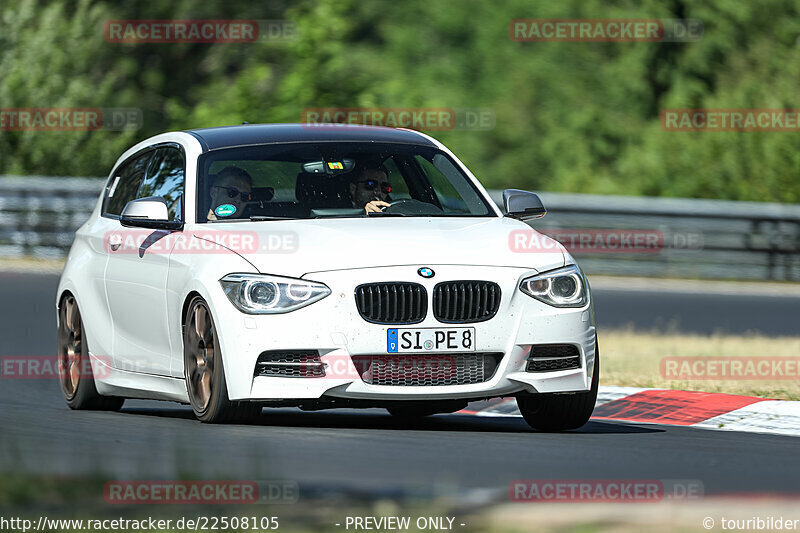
{"x": 426, "y": 272}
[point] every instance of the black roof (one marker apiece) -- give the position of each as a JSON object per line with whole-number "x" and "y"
{"x": 251, "y": 134}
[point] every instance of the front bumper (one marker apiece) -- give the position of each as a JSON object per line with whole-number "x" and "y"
{"x": 333, "y": 328}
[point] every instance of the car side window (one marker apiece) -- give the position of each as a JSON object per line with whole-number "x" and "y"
{"x": 125, "y": 183}
{"x": 165, "y": 178}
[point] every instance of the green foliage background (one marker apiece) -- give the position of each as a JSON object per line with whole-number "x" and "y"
{"x": 579, "y": 117}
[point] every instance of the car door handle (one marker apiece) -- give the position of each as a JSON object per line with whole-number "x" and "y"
{"x": 114, "y": 242}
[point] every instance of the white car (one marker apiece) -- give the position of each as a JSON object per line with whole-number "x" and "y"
{"x": 240, "y": 267}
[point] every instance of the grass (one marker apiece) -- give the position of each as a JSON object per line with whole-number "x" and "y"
{"x": 632, "y": 358}
{"x": 29, "y": 265}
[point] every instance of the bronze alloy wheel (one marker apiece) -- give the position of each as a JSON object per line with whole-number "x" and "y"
{"x": 70, "y": 347}
{"x": 199, "y": 353}
{"x": 75, "y": 374}
{"x": 204, "y": 370}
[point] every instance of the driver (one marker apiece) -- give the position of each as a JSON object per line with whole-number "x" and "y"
{"x": 371, "y": 189}
{"x": 230, "y": 191}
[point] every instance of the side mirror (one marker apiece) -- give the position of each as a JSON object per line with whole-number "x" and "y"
{"x": 523, "y": 205}
{"x": 151, "y": 213}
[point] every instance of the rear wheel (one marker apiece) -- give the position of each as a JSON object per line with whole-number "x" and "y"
{"x": 560, "y": 412}
{"x": 74, "y": 367}
{"x": 204, "y": 371}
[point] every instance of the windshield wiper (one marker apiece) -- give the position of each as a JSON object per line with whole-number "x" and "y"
{"x": 382, "y": 214}
{"x": 258, "y": 218}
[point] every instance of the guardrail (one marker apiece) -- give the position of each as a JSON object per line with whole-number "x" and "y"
{"x": 707, "y": 239}
{"x": 701, "y": 238}
{"x": 39, "y": 215}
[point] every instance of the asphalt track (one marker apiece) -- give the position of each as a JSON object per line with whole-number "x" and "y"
{"x": 367, "y": 451}
{"x": 697, "y": 312}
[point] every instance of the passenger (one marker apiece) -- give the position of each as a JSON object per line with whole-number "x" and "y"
{"x": 230, "y": 191}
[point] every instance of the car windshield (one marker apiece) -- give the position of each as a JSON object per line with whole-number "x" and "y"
{"x": 333, "y": 179}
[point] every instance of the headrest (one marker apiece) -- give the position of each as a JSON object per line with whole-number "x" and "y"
{"x": 263, "y": 194}
{"x": 321, "y": 190}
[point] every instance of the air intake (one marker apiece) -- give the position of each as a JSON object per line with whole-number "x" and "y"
{"x": 290, "y": 364}
{"x": 421, "y": 370}
{"x": 553, "y": 357}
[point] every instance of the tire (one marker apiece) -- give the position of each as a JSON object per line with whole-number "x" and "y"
{"x": 560, "y": 412}
{"x": 75, "y": 374}
{"x": 204, "y": 371}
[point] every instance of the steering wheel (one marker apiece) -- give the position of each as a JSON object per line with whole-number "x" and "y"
{"x": 397, "y": 204}
{"x": 411, "y": 206}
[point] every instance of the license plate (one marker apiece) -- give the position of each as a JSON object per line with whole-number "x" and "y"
{"x": 430, "y": 340}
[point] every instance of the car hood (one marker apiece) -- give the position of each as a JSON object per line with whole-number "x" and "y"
{"x": 299, "y": 247}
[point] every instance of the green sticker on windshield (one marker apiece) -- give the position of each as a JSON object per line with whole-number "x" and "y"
{"x": 225, "y": 210}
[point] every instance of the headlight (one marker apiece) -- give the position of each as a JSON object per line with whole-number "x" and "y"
{"x": 258, "y": 294}
{"x": 564, "y": 287}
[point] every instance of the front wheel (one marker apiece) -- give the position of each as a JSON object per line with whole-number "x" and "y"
{"x": 205, "y": 375}
{"x": 560, "y": 412}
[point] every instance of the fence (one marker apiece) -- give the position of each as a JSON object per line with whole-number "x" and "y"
{"x": 702, "y": 238}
